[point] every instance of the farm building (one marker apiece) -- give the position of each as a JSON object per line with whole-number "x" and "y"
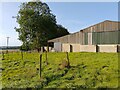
{"x": 101, "y": 37}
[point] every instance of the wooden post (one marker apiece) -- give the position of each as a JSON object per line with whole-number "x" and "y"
{"x": 117, "y": 48}
{"x": 2, "y": 55}
{"x": 68, "y": 59}
{"x": 7, "y": 55}
{"x": 7, "y": 51}
{"x": 40, "y": 64}
{"x": 46, "y": 58}
{"x": 97, "y": 48}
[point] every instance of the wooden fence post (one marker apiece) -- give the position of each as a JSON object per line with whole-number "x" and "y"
{"x": 40, "y": 64}
{"x": 47, "y": 47}
{"x": 2, "y": 55}
{"x": 7, "y": 52}
{"x": 68, "y": 60}
{"x": 117, "y": 48}
{"x": 46, "y": 58}
{"x": 97, "y": 48}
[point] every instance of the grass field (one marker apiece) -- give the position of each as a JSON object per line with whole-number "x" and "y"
{"x": 88, "y": 70}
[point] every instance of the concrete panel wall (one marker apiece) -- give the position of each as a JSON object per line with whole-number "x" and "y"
{"x": 65, "y": 47}
{"x": 87, "y": 48}
{"x": 76, "y": 47}
{"x": 107, "y": 48}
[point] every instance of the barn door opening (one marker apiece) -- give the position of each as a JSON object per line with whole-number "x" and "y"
{"x": 71, "y": 48}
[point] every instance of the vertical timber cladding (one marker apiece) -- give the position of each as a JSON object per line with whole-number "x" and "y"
{"x": 74, "y": 38}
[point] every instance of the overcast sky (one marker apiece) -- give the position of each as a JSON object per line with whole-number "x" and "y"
{"x": 72, "y": 15}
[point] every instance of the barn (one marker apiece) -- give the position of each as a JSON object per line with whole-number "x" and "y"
{"x": 101, "y": 37}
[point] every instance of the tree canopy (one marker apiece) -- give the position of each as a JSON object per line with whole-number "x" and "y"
{"x": 37, "y": 25}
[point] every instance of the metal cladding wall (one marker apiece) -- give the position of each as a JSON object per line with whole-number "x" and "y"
{"x": 85, "y": 38}
{"x": 106, "y": 37}
{"x": 111, "y": 37}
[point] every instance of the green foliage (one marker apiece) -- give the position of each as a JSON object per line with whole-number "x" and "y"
{"x": 61, "y": 31}
{"x": 37, "y": 25}
{"x": 88, "y": 70}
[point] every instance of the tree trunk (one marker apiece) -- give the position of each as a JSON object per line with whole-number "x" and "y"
{"x": 38, "y": 49}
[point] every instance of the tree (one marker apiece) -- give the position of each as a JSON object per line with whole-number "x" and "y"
{"x": 61, "y": 31}
{"x": 37, "y": 25}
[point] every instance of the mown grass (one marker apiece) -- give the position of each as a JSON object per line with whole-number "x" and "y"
{"x": 88, "y": 70}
